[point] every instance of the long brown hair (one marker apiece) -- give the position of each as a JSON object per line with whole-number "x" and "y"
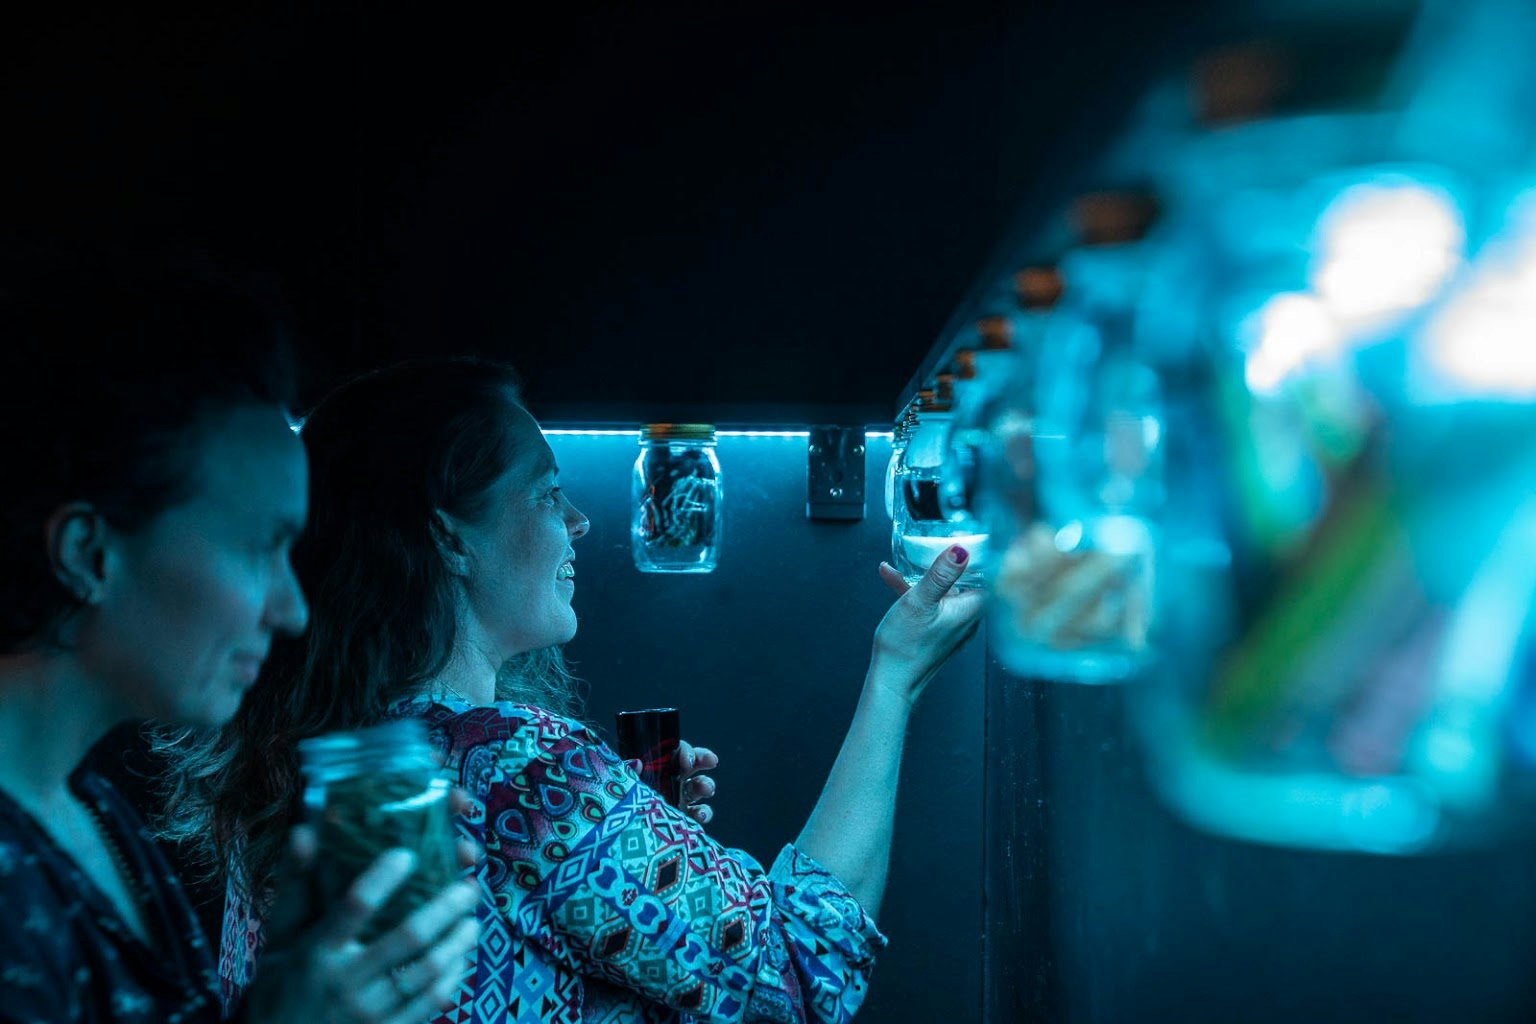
{"x": 386, "y": 451}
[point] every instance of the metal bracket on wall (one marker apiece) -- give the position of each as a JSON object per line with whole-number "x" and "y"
{"x": 835, "y": 474}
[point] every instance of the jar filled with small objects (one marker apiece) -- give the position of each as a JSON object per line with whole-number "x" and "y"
{"x": 677, "y": 497}
{"x": 375, "y": 789}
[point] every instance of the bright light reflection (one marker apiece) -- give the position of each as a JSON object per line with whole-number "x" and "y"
{"x": 1484, "y": 340}
{"x": 1292, "y": 329}
{"x": 1385, "y": 249}
{"x": 870, "y": 435}
{"x": 765, "y": 433}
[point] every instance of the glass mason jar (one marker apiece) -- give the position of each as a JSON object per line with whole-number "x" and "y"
{"x": 920, "y": 530}
{"x": 900, "y": 436}
{"x": 958, "y": 468}
{"x": 1073, "y": 484}
{"x": 676, "y": 491}
{"x": 371, "y": 790}
{"x": 1341, "y": 705}
{"x": 1006, "y": 342}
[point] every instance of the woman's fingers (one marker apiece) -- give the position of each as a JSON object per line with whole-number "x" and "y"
{"x": 373, "y": 1000}
{"x": 692, "y": 759}
{"x": 893, "y": 579}
{"x": 428, "y": 985}
{"x": 365, "y": 896}
{"x": 460, "y": 805}
{"x": 425, "y": 927}
{"x": 699, "y": 787}
{"x": 941, "y": 575}
{"x": 926, "y": 625}
{"x": 293, "y": 908}
{"x": 693, "y": 762}
{"x": 469, "y": 852}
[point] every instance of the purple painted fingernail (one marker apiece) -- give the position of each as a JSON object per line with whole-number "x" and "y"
{"x": 958, "y": 554}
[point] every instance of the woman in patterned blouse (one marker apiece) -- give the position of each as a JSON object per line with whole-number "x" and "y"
{"x": 152, "y": 489}
{"x": 437, "y": 556}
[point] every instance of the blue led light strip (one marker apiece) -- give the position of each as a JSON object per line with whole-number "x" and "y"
{"x": 883, "y": 435}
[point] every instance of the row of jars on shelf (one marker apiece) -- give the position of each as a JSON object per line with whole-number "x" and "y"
{"x": 1041, "y": 452}
{"x": 1266, "y": 445}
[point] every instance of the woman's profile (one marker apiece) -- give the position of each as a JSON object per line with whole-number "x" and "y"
{"x": 154, "y": 488}
{"x": 439, "y": 557}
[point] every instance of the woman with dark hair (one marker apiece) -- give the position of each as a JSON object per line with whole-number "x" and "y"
{"x": 438, "y": 556}
{"x": 153, "y": 490}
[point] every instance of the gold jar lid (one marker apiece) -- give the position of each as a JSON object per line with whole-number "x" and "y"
{"x": 996, "y": 333}
{"x": 1038, "y": 287}
{"x": 696, "y": 432}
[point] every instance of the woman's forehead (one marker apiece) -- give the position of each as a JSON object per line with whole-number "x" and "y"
{"x": 532, "y": 457}
{"x": 253, "y": 459}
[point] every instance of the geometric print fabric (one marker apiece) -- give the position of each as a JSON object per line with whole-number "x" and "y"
{"x": 603, "y": 903}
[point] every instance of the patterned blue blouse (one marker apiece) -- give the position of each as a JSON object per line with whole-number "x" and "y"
{"x": 65, "y": 952}
{"x": 603, "y": 903}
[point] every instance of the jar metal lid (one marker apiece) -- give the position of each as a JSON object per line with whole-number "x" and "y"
{"x": 698, "y": 432}
{"x": 400, "y": 742}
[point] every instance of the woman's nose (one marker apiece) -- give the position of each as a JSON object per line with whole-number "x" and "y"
{"x": 288, "y": 611}
{"x": 577, "y": 523}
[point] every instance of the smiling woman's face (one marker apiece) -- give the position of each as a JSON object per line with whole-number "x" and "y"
{"x": 190, "y": 602}
{"x": 520, "y": 580}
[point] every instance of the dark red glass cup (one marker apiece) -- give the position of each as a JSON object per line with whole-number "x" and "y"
{"x": 651, "y": 737}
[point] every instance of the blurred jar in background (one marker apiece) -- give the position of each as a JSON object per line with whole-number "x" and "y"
{"x": 982, "y": 373}
{"x": 1358, "y": 694}
{"x": 1074, "y": 468}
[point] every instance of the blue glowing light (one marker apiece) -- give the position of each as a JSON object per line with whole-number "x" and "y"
{"x": 870, "y": 435}
{"x": 1385, "y": 247}
{"x": 1482, "y": 341}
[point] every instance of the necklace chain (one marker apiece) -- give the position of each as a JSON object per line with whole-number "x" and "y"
{"x": 135, "y": 887}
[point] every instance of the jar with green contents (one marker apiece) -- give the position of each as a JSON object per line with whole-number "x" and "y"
{"x": 370, "y": 790}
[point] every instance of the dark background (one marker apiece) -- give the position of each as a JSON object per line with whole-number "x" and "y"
{"x": 756, "y": 211}
{"x": 764, "y": 657}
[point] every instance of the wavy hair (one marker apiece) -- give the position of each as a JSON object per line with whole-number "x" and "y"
{"x": 386, "y": 450}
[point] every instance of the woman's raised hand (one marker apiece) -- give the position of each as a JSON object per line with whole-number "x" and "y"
{"x": 317, "y": 970}
{"x": 925, "y": 626}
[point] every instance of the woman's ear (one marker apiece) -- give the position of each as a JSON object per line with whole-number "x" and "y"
{"x": 77, "y": 551}
{"x": 450, "y": 543}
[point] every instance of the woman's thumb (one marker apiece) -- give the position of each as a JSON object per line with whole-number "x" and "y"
{"x": 941, "y": 575}
{"x": 296, "y": 906}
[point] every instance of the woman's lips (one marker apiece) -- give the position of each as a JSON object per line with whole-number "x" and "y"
{"x": 248, "y": 667}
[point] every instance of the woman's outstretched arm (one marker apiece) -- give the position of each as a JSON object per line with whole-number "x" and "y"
{"x": 849, "y": 831}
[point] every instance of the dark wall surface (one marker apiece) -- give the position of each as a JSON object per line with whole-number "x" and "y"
{"x": 768, "y": 201}
{"x": 765, "y": 657}
{"x": 1108, "y": 908}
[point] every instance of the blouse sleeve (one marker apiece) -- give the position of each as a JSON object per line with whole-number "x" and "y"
{"x": 594, "y": 866}
{"x": 240, "y": 941}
